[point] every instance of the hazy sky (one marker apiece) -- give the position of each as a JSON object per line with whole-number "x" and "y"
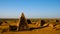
{"x": 31, "y": 8}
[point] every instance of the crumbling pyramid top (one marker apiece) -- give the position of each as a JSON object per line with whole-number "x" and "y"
{"x": 22, "y": 15}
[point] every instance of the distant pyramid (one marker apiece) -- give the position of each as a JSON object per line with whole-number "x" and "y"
{"x": 23, "y": 25}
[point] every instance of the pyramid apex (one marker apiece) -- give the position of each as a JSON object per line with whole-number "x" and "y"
{"x": 22, "y": 15}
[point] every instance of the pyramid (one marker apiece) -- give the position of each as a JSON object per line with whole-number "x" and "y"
{"x": 23, "y": 25}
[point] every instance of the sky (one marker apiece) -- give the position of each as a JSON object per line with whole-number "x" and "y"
{"x": 31, "y": 8}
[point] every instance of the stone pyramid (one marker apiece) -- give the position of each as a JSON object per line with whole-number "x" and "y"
{"x": 23, "y": 25}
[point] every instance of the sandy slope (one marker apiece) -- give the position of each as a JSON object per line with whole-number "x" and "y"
{"x": 46, "y": 30}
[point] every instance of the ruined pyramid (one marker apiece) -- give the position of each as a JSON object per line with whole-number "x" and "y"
{"x": 23, "y": 25}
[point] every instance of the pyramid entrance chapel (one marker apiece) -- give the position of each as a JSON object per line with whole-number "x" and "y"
{"x": 23, "y": 25}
